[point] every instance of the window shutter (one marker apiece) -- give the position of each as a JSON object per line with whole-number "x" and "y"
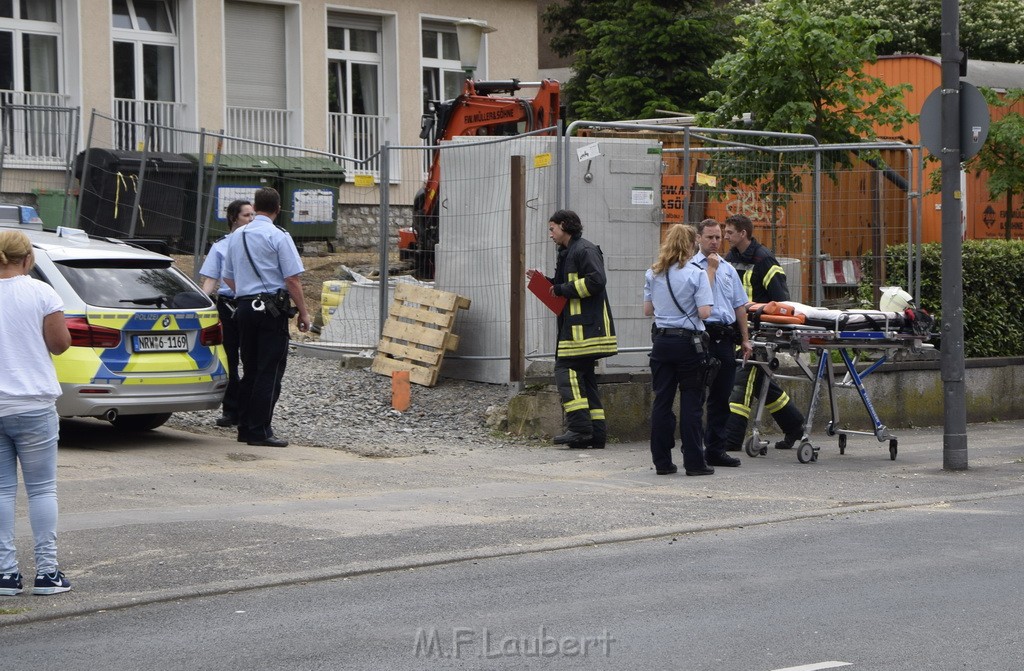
{"x": 256, "y": 55}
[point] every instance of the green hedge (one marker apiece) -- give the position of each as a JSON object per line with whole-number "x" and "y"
{"x": 993, "y": 289}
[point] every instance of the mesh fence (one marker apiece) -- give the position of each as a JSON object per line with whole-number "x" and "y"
{"x": 823, "y": 210}
{"x": 37, "y": 144}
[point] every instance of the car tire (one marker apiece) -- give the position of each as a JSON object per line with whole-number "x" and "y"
{"x": 140, "y": 422}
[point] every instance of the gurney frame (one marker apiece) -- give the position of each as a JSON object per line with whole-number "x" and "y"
{"x": 768, "y": 339}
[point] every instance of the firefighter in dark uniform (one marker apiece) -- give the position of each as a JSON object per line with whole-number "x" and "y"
{"x": 764, "y": 280}
{"x": 585, "y": 330}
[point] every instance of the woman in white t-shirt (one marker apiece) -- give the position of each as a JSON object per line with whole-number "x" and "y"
{"x": 32, "y": 328}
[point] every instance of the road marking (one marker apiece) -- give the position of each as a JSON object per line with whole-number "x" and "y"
{"x": 815, "y": 667}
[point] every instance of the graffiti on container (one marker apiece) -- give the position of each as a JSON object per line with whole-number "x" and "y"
{"x": 757, "y": 208}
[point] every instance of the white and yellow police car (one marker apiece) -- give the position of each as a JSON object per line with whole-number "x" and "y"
{"x": 145, "y": 340}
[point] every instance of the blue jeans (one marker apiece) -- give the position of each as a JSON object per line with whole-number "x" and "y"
{"x": 30, "y": 438}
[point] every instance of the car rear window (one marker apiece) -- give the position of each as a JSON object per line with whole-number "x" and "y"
{"x": 131, "y": 284}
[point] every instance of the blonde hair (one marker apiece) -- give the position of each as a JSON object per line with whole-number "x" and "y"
{"x": 678, "y": 248}
{"x": 14, "y": 247}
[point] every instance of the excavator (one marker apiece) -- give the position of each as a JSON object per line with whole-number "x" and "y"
{"x": 484, "y": 108}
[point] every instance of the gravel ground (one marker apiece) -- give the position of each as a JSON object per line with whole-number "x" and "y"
{"x": 325, "y": 405}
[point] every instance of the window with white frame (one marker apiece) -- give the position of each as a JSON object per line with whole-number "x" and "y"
{"x": 442, "y": 70}
{"x": 354, "y": 91}
{"x": 37, "y": 126}
{"x": 29, "y": 46}
{"x": 145, "y": 68}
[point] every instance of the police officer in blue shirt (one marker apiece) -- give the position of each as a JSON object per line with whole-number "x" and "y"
{"x": 239, "y": 213}
{"x": 678, "y": 295}
{"x": 262, "y": 266}
{"x": 726, "y": 327}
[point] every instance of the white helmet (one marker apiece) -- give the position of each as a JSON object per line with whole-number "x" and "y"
{"x": 895, "y": 299}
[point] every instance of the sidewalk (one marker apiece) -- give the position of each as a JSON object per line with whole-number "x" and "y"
{"x": 173, "y": 514}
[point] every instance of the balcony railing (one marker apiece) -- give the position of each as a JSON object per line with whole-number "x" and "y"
{"x": 133, "y": 116}
{"x": 358, "y": 136}
{"x": 38, "y": 129}
{"x": 262, "y": 125}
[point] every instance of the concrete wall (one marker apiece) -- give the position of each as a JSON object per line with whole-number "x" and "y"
{"x": 905, "y": 394}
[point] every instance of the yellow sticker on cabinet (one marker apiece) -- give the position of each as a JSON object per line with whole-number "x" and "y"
{"x": 364, "y": 180}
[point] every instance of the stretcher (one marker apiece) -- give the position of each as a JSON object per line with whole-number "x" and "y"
{"x": 800, "y": 331}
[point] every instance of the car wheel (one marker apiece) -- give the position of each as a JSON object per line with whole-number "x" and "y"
{"x": 140, "y": 422}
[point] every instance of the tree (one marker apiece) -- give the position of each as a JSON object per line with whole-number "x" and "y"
{"x": 1002, "y": 155}
{"x": 633, "y": 58}
{"x": 990, "y": 30}
{"x": 795, "y": 70}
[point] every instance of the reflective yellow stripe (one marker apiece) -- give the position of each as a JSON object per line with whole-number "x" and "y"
{"x": 573, "y": 406}
{"x": 739, "y": 409}
{"x": 597, "y": 413}
{"x": 747, "y": 286}
{"x": 581, "y": 287}
{"x": 772, "y": 272}
{"x": 779, "y": 403}
{"x": 748, "y": 391}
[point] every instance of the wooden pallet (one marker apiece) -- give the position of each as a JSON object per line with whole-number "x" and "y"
{"x": 418, "y": 332}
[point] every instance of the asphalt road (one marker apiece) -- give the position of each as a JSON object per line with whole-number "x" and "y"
{"x": 199, "y": 552}
{"x": 930, "y": 587}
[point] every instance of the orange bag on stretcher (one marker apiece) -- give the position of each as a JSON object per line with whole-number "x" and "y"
{"x": 774, "y": 313}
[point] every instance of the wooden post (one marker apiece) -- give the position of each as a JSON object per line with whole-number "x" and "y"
{"x": 517, "y": 273}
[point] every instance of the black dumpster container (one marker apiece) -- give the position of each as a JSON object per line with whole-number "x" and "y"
{"x": 111, "y": 184}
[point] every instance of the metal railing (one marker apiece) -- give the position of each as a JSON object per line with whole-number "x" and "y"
{"x": 360, "y": 137}
{"x": 130, "y": 117}
{"x": 37, "y": 129}
{"x": 259, "y": 124}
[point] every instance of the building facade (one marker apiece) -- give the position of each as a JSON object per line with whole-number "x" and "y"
{"x": 338, "y": 77}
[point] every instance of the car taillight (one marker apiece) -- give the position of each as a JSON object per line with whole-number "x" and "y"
{"x": 84, "y": 334}
{"x": 211, "y": 335}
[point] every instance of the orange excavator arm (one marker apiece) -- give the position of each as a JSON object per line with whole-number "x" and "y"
{"x": 477, "y": 113}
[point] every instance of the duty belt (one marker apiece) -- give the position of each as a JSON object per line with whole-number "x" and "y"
{"x": 655, "y": 330}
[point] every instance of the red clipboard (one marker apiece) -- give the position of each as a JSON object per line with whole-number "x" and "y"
{"x": 541, "y": 288}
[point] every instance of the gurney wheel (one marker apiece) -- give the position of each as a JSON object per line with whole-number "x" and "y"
{"x": 805, "y": 453}
{"x": 842, "y": 443}
{"x": 773, "y": 364}
{"x": 893, "y": 449}
{"x": 751, "y": 448}
{"x": 830, "y": 429}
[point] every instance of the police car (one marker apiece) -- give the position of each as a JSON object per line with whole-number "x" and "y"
{"x": 145, "y": 340}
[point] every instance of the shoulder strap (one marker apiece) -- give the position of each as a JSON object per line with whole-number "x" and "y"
{"x": 672, "y": 293}
{"x": 253, "y": 263}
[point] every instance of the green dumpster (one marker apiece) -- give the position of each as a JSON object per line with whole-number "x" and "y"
{"x": 50, "y": 204}
{"x": 238, "y": 177}
{"x": 309, "y": 196}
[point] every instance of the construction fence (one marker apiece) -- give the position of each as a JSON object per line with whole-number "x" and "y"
{"x": 825, "y": 210}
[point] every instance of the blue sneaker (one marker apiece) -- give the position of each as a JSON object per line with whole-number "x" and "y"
{"x": 10, "y": 584}
{"x": 51, "y": 583}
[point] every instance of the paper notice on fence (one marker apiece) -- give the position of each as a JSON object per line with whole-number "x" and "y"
{"x": 541, "y": 288}
{"x": 707, "y": 180}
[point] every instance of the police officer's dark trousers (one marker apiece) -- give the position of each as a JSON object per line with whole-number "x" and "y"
{"x": 676, "y": 366}
{"x": 229, "y": 325}
{"x": 723, "y": 349}
{"x": 577, "y": 387}
{"x": 264, "y": 353}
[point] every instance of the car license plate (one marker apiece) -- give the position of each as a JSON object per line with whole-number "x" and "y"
{"x": 165, "y": 342}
